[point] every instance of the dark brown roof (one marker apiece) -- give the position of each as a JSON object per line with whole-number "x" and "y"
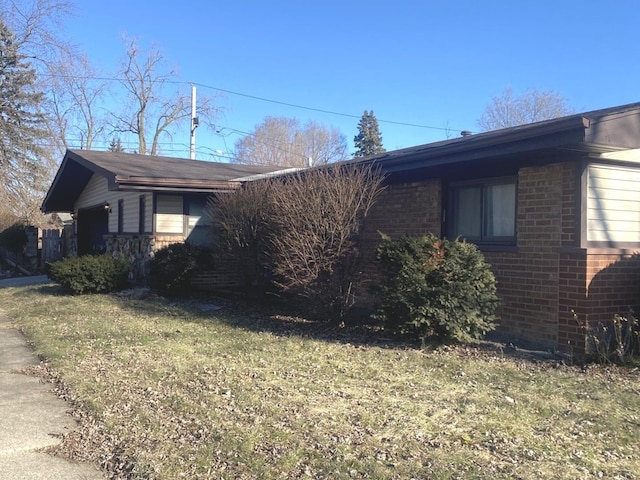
{"x": 126, "y": 171}
{"x": 598, "y": 131}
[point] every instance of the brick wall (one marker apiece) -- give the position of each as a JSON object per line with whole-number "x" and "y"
{"x": 572, "y": 300}
{"x": 225, "y": 275}
{"x": 403, "y": 209}
{"x": 613, "y": 284}
{"x": 528, "y": 276}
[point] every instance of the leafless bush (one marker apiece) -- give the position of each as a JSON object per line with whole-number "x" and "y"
{"x": 315, "y": 247}
{"x": 304, "y": 229}
{"x": 241, "y": 221}
{"x": 615, "y": 341}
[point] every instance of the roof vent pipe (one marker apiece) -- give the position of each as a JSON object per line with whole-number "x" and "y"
{"x": 466, "y": 133}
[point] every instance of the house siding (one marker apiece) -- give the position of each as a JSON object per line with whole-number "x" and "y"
{"x": 613, "y": 204}
{"x": 97, "y": 193}
{"x": 94, "y": 193}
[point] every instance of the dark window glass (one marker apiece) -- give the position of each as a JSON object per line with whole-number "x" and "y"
{"x": 484, "y": 212}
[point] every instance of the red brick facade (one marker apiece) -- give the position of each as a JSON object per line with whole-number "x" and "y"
{"x": 545, "y": 277}
{"x": 403, "y": 209}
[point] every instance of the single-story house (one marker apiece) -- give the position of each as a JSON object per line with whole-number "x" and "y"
{"x": 137, "y": 204}
{"x": 554, "y": 206}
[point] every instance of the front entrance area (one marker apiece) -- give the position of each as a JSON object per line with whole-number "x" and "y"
{"x": 93, "y": 225}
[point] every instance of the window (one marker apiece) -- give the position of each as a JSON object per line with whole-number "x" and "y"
{"x": 142, "y": 217}
{"x": 120, "y": 216}
{"x": 199, "y": 226}
{"x": 484, "y": 212}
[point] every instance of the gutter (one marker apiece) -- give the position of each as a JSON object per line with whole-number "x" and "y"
{"x": 126, "y": 183}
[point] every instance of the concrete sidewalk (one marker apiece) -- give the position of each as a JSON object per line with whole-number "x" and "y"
{"x": 32, "y": 417}
{"x": 21, "y": 281}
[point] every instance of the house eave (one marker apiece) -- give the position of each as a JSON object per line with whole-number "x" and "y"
{"x": 139, "y": 183}
{"x": 595, "y": 132}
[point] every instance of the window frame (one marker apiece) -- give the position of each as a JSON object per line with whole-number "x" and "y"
{"x": 121, "y": 216}
{"x": 452, "y": 209}
{"x": 142, "y": 214}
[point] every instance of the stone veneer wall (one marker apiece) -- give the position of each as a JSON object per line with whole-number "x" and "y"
{"x": 139, "y": 250}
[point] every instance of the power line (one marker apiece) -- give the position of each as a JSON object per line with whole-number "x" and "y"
{"x": 262, "y": 99}
{"x": 320, "y": 110}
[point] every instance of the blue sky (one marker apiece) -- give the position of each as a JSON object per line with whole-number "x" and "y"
{"x": 432, "y": 63}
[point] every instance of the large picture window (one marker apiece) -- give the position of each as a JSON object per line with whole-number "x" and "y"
{"x": 484, "y": 211}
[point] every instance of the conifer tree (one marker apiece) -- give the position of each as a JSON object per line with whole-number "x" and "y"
{"x": 116, "y": 145}
{"x": 368, "y": 141}
{"x": 22, "y": 130}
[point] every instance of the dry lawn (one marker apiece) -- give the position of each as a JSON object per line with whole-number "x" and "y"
{"x": 167, "y": 391}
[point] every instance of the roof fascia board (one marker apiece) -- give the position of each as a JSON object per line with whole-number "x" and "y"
{"x": 448, "y": 157}
{"x": 557, "y": 133}
{"x": 154, "y": 183}
{"x": 109, "y": 175}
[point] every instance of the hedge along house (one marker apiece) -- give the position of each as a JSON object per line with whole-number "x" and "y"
{"x": 136, "y": 204}
{"x": 554, "y": 206}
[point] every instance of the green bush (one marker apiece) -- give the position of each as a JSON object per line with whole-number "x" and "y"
{"x": 435, "y": 289}
{"x": 14, "y": 238}
{"x": 172, "y": 267}
{"x": 91, "y": 273}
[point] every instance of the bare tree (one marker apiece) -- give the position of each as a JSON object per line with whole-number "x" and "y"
{"x": 508, "y": 110}
{"x": 281, "y": 141}
{"x": 155, "y": 107}
{"x": 76, "y": 102}
{"x": 36, "y": 25}
{"x": 32, "y": 47}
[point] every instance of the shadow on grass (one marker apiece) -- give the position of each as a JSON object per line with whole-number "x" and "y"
{"x": 276, "y": 318}
{"x": 280, "y": 319}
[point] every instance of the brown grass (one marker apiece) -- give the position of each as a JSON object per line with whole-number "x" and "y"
{"x": 172, "y": 391}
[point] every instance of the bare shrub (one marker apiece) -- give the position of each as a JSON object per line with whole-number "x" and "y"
{"x": 615, "y": 341}
{"x": 241, "y": 221}
{"x": 314, "y": 248}
{"x": 303, "y": 229}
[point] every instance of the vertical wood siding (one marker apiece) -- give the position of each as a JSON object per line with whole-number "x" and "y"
{"x": 613, "y": 204}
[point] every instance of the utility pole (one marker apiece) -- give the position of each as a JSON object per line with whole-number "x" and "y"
{"x": 194, "y": 124}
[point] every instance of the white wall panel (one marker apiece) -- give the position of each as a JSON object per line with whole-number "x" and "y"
{"x": 613, "y": 204}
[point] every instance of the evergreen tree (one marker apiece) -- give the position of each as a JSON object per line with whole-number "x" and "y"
{"x": 22, "y": 130}
{"x": 368, "y": 141}
{"x": 116, "y": 145}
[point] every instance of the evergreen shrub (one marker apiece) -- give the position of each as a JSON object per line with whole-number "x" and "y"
{"x": 14, "y": 238}
{"x": 435, "y": 290}
{"x": 173, "y": 267}
{"x": 91, "y": 273}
